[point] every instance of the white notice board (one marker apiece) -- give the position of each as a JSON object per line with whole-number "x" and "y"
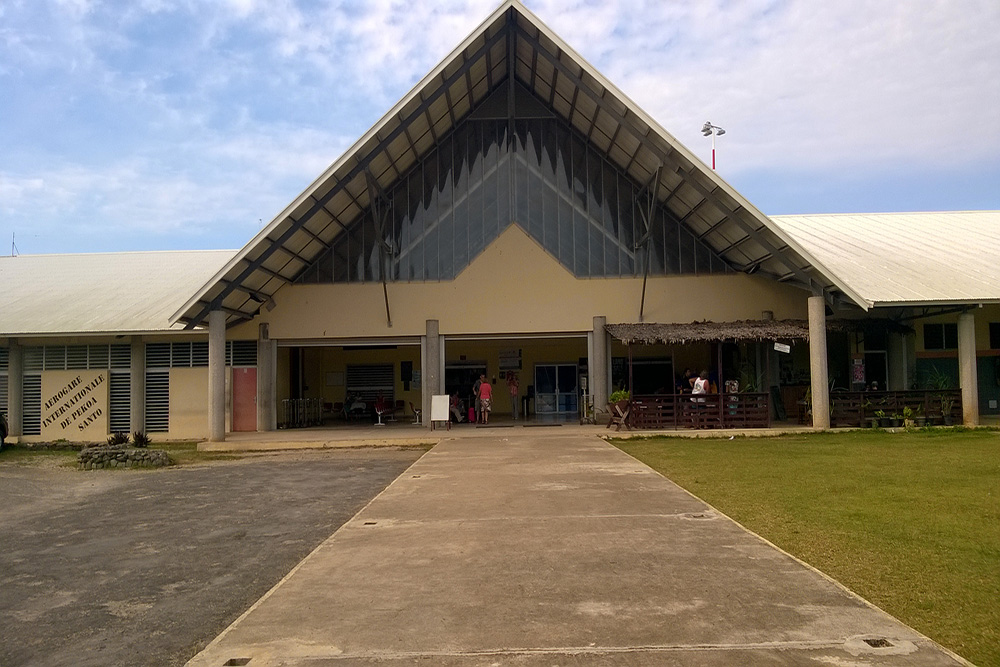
{"x": 439, "y": 408}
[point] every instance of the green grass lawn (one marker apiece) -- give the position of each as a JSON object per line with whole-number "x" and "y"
{"x": 181, "y": 453}
{"x": 909, "y": 521}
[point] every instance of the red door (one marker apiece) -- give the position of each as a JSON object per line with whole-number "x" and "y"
{"x": 244, "y": 399}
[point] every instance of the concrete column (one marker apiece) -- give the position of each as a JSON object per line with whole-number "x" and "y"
{"x": 431, "y": 362}
{"x": 217, "y": 376}
{"x": 818, "y": 372}
{"x": 267, "y": 357}
{"x": 598, "y": 364}
{"x": 968, "y": 374}
{"x": 896, "y": 356}
{"x": 423, "y": 387}
{"x": 137, "y": 394}
{"x": 15, "y": 390}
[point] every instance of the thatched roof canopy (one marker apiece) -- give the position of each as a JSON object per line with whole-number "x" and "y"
{"x": 702, "y": 332}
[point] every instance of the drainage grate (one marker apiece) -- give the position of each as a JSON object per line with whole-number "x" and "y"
{"x": 878, "y": 642}
{"x": 370, "y": 523}
{"x": 236, "y": 662}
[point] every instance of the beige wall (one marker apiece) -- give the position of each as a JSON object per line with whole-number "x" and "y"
{"x": 516, "y": 287}
{"x": 189, "y": 403}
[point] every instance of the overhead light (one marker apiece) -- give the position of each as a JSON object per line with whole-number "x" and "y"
{"x": 713, "y": 131}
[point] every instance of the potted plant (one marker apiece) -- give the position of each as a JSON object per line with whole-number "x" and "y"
{"x": 919, "y": 419}
{"x": 618, "y": 408}
{"x": 939, "y": 381}
{"x": 866, "y": 421}
{"x": 617, "y": 396}
{"x": 883, "y": 420}
{"x": 947, "y": 403}
{"x": 907, "y": 416}
{"x": 896, "y": 419}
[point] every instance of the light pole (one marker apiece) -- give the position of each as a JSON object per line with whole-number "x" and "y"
{"x": 710, "y": 130}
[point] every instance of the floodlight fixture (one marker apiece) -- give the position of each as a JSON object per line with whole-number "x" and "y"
{"x": 713, "y": 131}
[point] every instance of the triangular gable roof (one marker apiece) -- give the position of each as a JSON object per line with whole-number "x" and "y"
{"x": 510, "y": 42}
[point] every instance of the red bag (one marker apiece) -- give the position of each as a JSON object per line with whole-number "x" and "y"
{"x": 472, "y": 414}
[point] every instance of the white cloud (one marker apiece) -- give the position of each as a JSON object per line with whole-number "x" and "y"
{"x": 822, "y": 84}
{"x": 187, "y": 115}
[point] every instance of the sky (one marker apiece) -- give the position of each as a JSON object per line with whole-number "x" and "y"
{"x": 190, "y": 124}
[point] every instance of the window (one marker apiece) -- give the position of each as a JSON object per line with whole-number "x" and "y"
{"x": 995, "y": 335}
{"x": 4, "y": 362}
{"x": 31, "y": 405}
{"x": 548, "y": 178}
{"x": 120, "y": 388}
{"x": 369, "y": 381}
{"x": 238, "y": 353}
{"x": 157, "y": 401}
{"x": 941, "y": 336}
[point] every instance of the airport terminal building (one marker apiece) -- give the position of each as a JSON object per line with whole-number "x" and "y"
{"x": 514, "y": 214}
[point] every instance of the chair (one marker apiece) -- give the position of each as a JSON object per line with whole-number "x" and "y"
{"x": 416, "y": 414}
{"x": 381, "y": 408}
{"x": 619, "y": 412}
{"x": 338, "y": 410}
{"x": 400, "y": 407}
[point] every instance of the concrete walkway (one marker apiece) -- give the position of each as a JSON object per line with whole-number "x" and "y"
{"x": 534, "y": 547}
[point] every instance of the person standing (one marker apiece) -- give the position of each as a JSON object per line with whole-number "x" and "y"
{"x": 485, "y": 400}
{"x": 699, "y": 387}
{"x": 475, "y": 395}
{"x": 512, "y": 386}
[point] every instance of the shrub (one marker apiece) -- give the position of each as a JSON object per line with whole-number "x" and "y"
{"x": 619, "y": 395}
{"x": 140, "y": 439}
{"x": 117, "y": 439}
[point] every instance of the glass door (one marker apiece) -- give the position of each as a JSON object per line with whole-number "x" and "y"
{"x": 556, "y": 388}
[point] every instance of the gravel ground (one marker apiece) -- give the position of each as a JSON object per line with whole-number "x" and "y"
{"x": 145, "y": 567}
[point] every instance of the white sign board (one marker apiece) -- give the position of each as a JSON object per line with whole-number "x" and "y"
{"x": 781, "y": 347}
{"x": 439, "y": 408}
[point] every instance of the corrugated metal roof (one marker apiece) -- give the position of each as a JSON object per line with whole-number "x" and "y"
{"x": 511, "y": 43}
{"x": 101, "y": 292}
{"x": 906, "y": 258}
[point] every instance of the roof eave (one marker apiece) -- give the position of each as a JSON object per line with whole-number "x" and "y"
{"x": 349, "y": 154}
{"x": 932, "y": 303}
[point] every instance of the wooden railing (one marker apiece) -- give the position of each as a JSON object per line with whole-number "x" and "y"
{"x": 855, "y": 408}
{"x": 848, "y": 408}
{"x": 701, "y": 411}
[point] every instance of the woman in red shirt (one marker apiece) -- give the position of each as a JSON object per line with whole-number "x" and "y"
{"x": 486, "y": 400}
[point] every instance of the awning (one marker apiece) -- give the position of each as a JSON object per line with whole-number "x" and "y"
{"x": 708, "y": 332}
